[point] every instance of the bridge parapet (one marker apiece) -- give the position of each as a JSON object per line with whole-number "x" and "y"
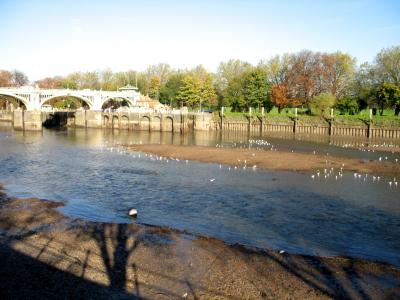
{"x": 34, "y": 98}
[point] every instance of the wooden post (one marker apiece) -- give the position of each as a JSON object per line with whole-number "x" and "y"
{"x": 249, "y": 126}
{"x": 222, "y": 117}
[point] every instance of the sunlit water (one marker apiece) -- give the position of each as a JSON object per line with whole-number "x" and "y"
{"x": 274, "y": 210}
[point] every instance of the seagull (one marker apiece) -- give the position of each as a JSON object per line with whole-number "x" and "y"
{"x": 133, "y": 212}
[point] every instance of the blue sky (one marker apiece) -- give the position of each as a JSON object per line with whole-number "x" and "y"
{"x": 47, "y": 38}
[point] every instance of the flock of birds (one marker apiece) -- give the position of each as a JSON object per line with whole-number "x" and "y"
{"x": 324, "y": 174}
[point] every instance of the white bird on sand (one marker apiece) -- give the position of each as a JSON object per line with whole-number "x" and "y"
{"x": 133, "y": 212}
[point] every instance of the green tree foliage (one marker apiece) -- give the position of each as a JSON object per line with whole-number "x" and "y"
{"x": 226, "y": 73}
{"x": 189, "y": 92}
{"x": 169, "y": 90}
{"x": 256, "y": 89}
{"x": 347, "y": 105}
{"x": 322, "y": 103}
{"x": 234, "y": 94}
{"x": 388, "y": 95}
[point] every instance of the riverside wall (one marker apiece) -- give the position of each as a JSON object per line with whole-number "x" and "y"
{"x": 184, "y": 122}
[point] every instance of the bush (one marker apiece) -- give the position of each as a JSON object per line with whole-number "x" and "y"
{"x": 347, "y": 105}
{"x": 322, "y": 103}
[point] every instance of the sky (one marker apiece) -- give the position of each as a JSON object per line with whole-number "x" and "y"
{"x": 49, "y": 38}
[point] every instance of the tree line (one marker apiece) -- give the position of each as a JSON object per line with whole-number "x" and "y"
{"x": 313, "y": 80}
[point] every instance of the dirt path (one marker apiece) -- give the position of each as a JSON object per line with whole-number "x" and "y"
{"x": 45, "y": 255}
{"x": 271, "y": 160}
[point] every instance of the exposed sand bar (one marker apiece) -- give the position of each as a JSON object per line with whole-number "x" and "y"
{"x": 269, "y": 160}
{"x": 45, "y": 255}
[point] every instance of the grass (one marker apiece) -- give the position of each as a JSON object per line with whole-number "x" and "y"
{"x": 388, "y": 119}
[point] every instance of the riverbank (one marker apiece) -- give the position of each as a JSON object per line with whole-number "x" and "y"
{"x": 269, "y": 160}
{"x": 47, "y": 255}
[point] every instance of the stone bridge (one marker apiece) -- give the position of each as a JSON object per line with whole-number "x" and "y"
{"x": 149, "y": 121}
{"x": 34, "y": 98}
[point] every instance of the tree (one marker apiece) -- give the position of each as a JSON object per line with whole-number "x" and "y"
{"x": 190, "y": 91}
{"x": 5, "y": 78}
{"x": 18, "y": 78}
{"x": 304, "y": 79}
{"x": 389, "y": 95}
{"x": 228, "y": 72}
{"x": 322, "y": 102}
{"x": 278, "y": 96}
{"x": 107, "y": 80}
{"x": 234, "y": 94}
{"x": 50, "y": 83}
{"x": 256, "y": 89}
{"x": 388, "y": 65}
{"x": 338, "y": 72}
{"x": 347, "y": 105}
{"x": 169, "y": 90}
{"x": 154, "y": 87}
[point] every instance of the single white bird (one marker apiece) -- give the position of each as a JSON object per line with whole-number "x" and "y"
{"x": 133, "y": 212}
{"x": 212, "y": 179}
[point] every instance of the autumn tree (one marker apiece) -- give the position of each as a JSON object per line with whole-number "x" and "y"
{"x": 50, "y": 83}
{"x": 338, "y": 70}
{"x": 5, "y": 78}
{"x": 279, "y": 96}
{"x": 154, "y": 87}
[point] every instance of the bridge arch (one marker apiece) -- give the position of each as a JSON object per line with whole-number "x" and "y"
{"x": 19, "y": 98}
{"x": 145, "y": 123}
{"x": 115, "y": 122}
{"x": 156, "y": 123}
{"x": 85, "y": 100}
{"x": 104, "y": 101}
{"x": 168, "y": 124}
{"x": 106, "y": 121}
{"x": 124, "y": 122}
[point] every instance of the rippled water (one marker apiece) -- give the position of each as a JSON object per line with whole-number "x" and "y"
{"x": 278, "y": 210}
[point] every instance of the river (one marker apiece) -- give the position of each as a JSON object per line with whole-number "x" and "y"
{"x": 99, "y": 181}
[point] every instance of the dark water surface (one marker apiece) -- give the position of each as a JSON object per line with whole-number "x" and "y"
{"x": 280, "y": 210}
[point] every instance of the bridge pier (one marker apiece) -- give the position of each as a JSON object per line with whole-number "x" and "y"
{"x": 30, "y": 120}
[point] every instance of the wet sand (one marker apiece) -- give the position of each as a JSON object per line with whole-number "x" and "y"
{"x": 45, "y": 255}
{"x": 269, "y": 160}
